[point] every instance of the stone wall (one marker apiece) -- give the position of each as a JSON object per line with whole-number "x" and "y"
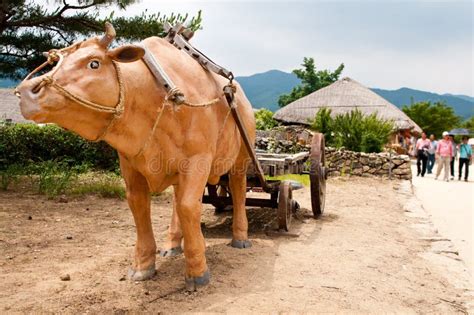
{"x": 284, "y": 139}
{"x": 342, "y": 162}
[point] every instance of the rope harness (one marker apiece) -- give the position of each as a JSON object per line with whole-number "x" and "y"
{"x": 176, "y": 36}
{"x": 56, "y": 56}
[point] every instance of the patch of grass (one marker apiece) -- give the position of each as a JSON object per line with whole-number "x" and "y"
{"x": 10, "y": 175}
{"x": 52, "y": 178}
{"x": 303, "y": 179}
{"x": 107, "y": 185}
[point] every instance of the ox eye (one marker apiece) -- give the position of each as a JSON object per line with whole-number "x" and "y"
{"x": 94, "y": 64}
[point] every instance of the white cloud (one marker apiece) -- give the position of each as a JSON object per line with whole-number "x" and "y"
{"x": 391, "y": 44}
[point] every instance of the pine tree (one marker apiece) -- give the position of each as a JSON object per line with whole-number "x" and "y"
{"x": 27, "y": 28}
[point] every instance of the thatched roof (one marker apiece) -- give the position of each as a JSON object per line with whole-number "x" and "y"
{"x": 341, "y": 97}
{"x": 10, "y": 106}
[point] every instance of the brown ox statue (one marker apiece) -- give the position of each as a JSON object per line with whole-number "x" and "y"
{"x": 159, "y": 144}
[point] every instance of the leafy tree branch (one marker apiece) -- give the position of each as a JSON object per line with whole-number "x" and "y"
{"x": 311, "y": 81}
{"x": 27, "y": 28}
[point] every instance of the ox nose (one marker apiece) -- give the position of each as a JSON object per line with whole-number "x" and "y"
{"x": 32, "y": 86}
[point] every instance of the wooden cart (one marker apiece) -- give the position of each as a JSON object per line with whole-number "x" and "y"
{"x": 280, "y": 192}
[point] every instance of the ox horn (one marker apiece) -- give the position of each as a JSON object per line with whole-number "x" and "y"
{"x": 109, "y": 35}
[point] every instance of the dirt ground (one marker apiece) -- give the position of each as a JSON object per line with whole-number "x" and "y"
{"x": 363, "y": 256}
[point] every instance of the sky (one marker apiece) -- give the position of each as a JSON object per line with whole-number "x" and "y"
{"x": 425, "y": 45}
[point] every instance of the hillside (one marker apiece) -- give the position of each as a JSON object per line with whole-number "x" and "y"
{"x": 464, "y": 97}
{"x": 461, "y": 105}
{"x": 263, "y": 90}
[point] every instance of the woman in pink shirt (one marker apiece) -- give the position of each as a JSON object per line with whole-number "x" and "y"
{"x": 444, "y": 153}
{"x": 422, "y": 146}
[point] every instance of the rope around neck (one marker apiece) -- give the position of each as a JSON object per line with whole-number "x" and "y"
{"x": 117, "y": 110}
{"x": 55, "y": 55}
{"x": 160, "y": 113}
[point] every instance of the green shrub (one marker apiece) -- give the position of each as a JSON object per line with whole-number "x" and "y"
{"x": 323, "y": 123}
{"x": 24, "y": 144}
{"x": 264, "y": 119}
{"x": 376, "y": 133}
{"x": 353, "y": 130}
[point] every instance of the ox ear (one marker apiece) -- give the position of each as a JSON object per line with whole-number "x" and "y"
{"x": 127, "y": 53}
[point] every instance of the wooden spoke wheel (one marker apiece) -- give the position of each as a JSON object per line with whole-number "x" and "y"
{"x": 318, "y": 174}
{"x": 286, "y": 206}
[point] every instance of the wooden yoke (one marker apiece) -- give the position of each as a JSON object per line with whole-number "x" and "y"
{"x": 177, "y": 36}
{"x": 161, "y": 77}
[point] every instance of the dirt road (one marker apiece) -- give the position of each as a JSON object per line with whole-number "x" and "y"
{"x": 368, "y": 254}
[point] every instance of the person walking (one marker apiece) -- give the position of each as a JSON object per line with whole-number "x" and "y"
{"x": 465, "y": 156}
{"x": 453, "y": 154}
{"x": 412, "y": 147}
{"x": 422, "y": 146}
{"x": 432, "y": 154}
{"x": 444, "y": 152}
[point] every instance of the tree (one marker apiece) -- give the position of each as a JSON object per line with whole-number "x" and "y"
{"x": 264, "y": 119}
{"x": 468, "y": 124}
{"x": 432, "y": 118}
{"x": 311, "y": 80}
{"x": 27, "y": 28}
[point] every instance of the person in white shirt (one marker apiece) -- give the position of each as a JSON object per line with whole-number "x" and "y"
{"x": 432, "y": 154}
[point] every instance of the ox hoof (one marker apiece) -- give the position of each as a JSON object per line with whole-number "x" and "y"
{"x": 193, "y": 283}
{"x": 141, "y": 275}
{"x": 241, "y": 244}
{"x": 175, "y": 251}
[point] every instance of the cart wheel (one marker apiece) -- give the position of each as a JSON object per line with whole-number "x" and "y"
{"x": 285, "y": 206}
{"x": 318, "y": 175}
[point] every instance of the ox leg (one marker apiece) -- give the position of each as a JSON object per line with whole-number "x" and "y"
{"x": 189, "y": 206}
{"x": 238, "y": 187}
{"x": 175, "y": 235}
{"x": 138, "y": 197}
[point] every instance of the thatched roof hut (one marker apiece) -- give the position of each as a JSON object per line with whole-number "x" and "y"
{"x": 341, "y": 97}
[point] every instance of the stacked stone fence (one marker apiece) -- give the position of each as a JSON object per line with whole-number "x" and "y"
{"x": 339, "y": 162}
{"x": 342, "y": 162}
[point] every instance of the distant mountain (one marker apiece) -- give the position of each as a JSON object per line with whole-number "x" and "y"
{"x": 464, "y": 97}
{"x": 461, "y": 105}
{"x": 263, "y": 90}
